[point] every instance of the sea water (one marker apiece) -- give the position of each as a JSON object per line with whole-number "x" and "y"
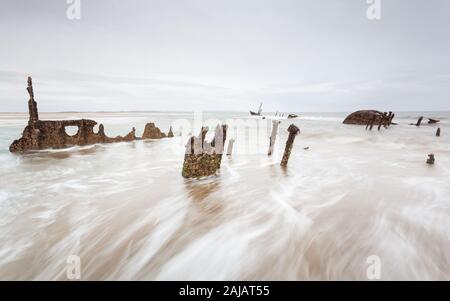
{"x": 347, "y": 196}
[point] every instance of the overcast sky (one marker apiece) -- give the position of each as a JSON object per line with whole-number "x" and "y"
{"x": 293, "y": 55}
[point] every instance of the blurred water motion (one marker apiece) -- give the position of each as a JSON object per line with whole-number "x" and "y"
{"x": 127, "y": 212}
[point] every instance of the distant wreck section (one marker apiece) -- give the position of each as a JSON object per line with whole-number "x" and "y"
{"x": 366, "y": 117}
{"x": 42, "y": 134}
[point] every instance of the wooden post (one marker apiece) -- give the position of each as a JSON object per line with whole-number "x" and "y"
{"x": 203, "y": 133}
{"x": 293, "y": 131}
{"x": 273, "y": 136}
{"x": 230, "y": 147}
{"x": 430, "y": 159}
{"x": 438, "y": 132}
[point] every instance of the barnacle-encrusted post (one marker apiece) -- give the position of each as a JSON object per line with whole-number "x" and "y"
{"x": 293, "y": 131}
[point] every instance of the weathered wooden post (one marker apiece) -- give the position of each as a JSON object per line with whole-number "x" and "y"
{"x": 273, "y": 136}
{"x": 419, "y": 121}
{"x": 203, "y": 133}
{"x": 438, "y": 132}
{"x": 218, "y": 143}
{"x": 230, "y": 147}
{"x": 430, "y": 159}
{"x": 293, "y": 131}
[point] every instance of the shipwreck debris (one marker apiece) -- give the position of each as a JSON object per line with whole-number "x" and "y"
{"x": 273, "y": 136}
{"x": 419, "y": 121}
{"x": 42, "y": 134}
{"x": 391, "y": 118}
{"x": 368, "y": 117}
{"x": 203, "y": 133}
{"x": 170, "y": 133}
{"x": 257, "y": 113}
{"x": 201, "y": 158}
{"x": 430, "y": 159}
{"x": 131, "y": 135}
{"x": 152, "y": 132}
{"x": 293, "y": 131}
{"x": 292, "y": 116}
{"x": 383, "y": 121}
{"x": 430, "y": 121}
{"x": 433, "y": 121}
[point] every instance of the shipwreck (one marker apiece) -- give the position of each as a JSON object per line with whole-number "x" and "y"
{"x": 43, "y": 134}
{"x": 370, "y": 117}
{"x": 202, "y": 158}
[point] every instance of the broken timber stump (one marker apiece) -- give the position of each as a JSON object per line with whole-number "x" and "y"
{"x": 438, "y": 132}
{"x": 203, "y": 159}
{"x": 273, "y": 136}
{"x": 430, "y": 159}
{"x": 293, "y": 131}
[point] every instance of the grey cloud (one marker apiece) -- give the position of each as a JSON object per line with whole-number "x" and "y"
{"x": 294, "y": 55}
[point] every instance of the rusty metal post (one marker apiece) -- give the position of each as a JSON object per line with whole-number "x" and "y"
{"x": 32, "y": 105}
{"x": 293, "y": 131}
